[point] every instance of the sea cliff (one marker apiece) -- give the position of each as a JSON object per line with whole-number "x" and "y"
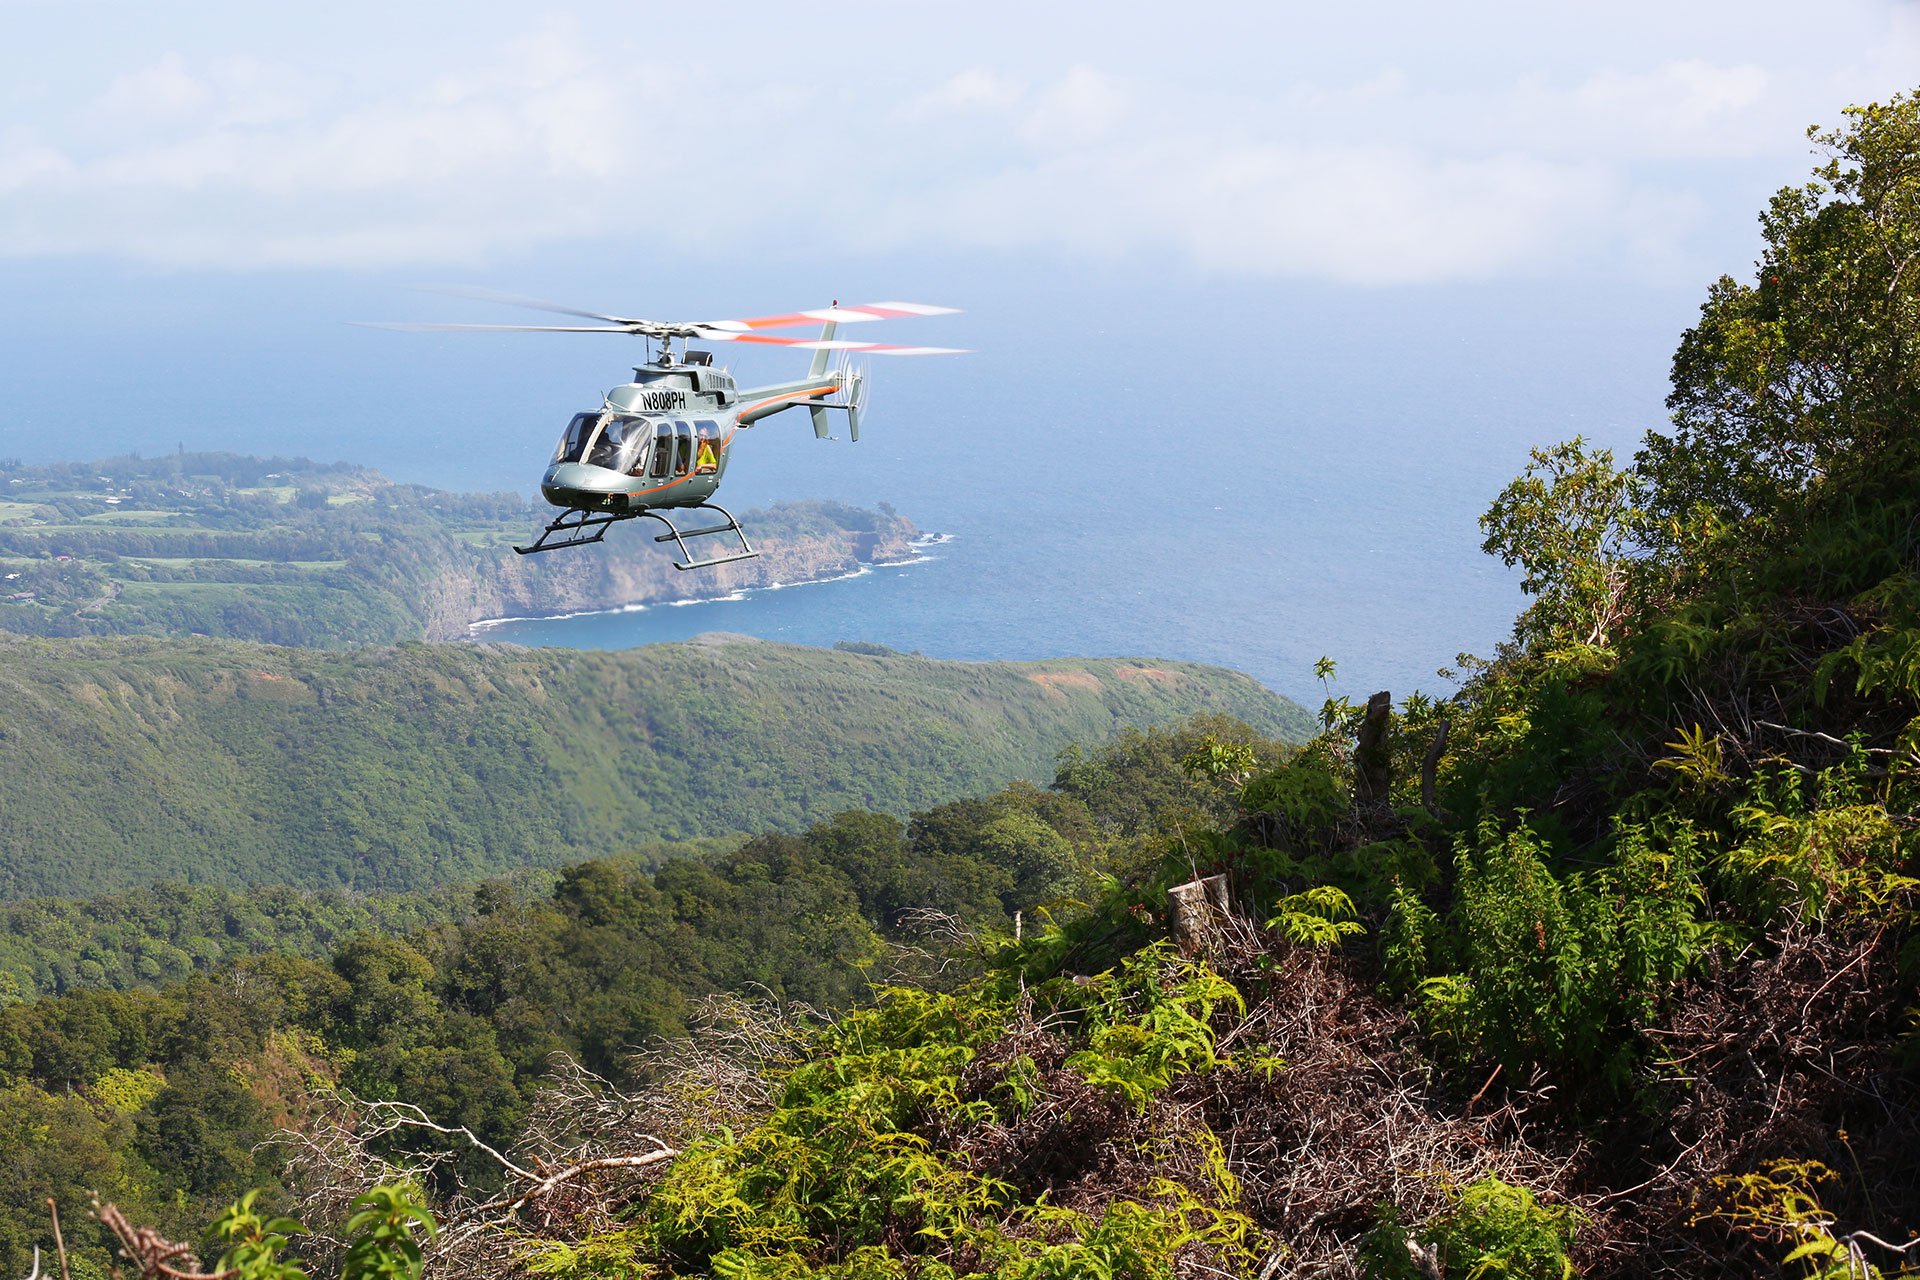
{"x": 798, "y": 542}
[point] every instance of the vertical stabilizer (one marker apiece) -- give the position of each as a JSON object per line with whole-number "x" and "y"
{"x": 821, "y": 358}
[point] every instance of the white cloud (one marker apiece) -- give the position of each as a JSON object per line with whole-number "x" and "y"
{"x": 28, "y": 165}
{"x": 1353, "y": 214}
{"x": 1688, "y": 109}
{"x": 163, "y": 91}
{"x": 1400, "y": 172}
{"x": 974, "y": 89}
{"x": 1082, "y": 107}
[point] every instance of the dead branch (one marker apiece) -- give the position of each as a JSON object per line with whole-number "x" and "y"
{"x": 947, "y": 940}
{"x": 157, "y": 1257}
{"x": 588, "y": 1149}
{"x": 59, "y": 1241}
{"x": 499, "y": 1212}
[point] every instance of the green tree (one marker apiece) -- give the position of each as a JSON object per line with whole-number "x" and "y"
{"x": 1038, "y": 858}
{"x": 1802, "y": 384}
{"x": 1572, "y": 524}
{"x": 59, "y": 1146}
{"x": 202, "y": 1128}
{"x": 389, "y": 997}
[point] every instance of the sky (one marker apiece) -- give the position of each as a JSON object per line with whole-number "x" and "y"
{"x": 1399, "y": 143}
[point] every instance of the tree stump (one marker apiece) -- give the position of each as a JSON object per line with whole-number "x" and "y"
{"x": 1197, "y": 914}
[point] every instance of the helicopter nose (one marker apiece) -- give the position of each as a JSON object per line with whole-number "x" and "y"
{"x": 576, "y": 475}
{"x": 567, "y": 483}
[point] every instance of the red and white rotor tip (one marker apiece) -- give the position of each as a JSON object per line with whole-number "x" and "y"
{"x": 836, "y": 313}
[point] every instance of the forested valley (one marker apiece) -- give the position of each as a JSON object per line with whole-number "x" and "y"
{"x": 1606, "y": 964}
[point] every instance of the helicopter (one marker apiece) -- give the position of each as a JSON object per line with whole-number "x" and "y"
{"x": 660, "y": 443}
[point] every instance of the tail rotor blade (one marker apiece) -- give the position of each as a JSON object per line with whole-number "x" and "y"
{"x": 856, "y": 399}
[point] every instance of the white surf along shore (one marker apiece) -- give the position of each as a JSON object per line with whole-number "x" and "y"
{"x": 922, "y": 545}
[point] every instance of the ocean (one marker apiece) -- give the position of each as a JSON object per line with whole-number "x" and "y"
{"x": 1244, "y": 474}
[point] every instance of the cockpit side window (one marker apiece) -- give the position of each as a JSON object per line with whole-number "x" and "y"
{"x": 574, "y": 439}
{"x": 683, "y": 448}
{"x": 706, "y": 456}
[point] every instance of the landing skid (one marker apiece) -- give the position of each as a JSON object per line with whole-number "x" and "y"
{"x": 572, "y": 530}
{"x": 679, "y": 536}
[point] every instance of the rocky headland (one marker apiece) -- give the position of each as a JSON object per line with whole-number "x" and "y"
{"x": 797, "y": 542}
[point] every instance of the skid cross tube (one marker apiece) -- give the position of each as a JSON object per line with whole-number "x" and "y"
{"x": 679, "y": 536}
{"x": 580, "y": 520}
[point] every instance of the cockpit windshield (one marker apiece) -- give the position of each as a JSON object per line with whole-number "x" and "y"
{"x": 615, "y": 441}
{"x": 601, "y": 440}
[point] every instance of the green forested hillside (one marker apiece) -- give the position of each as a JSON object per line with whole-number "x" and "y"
{"x": 165, "y": 932}
{"x": 124, "y": 761}
{"x": 163, "y": 1099}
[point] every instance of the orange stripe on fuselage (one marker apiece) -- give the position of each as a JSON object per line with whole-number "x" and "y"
{"x": 791, "y": 395}
{"x": 727, "y": 440}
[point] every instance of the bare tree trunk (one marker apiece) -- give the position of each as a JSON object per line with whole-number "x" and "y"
{"x": 1428, "y": 766}
{"x": 1372, "y": 764}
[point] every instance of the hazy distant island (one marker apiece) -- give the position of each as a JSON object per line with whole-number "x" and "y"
{"x": 291, "y": 551}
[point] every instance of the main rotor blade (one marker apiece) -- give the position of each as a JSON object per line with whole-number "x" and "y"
{"x": 495, "y": 328}
{"x": 841, "y": 315}
{"x": 532, "y": 304}
{"x": 830, "y": 344}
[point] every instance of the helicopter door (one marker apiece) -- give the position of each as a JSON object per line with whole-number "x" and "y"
{"x": 662, "y": 450}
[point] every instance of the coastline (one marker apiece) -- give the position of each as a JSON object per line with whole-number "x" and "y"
{"x": 919, "y": 543}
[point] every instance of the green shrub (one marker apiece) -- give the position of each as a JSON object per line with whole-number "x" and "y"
{"x": 1553, "y": 971}
{"x": 1303, "y": 796}
{"x": 1835, "y": 851}
{"x": 1489, "y": 1228}
{"x": 854, "y": 1166}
